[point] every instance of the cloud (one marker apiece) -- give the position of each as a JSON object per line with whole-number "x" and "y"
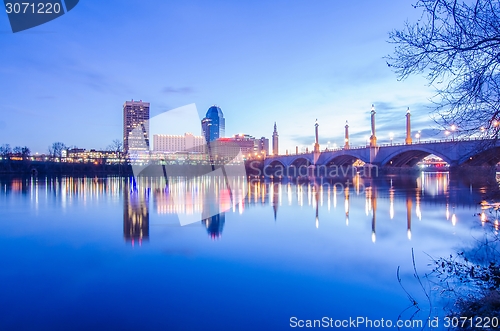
{"x": 178, "y": 90}
{"x": 391, "y": 116}
{"x": 303, "y": 140}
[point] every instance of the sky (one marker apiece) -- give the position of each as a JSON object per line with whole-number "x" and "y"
{"x": 289, "y": 62}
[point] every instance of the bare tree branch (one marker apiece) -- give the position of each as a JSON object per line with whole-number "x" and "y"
{"x": 457, "y": 45}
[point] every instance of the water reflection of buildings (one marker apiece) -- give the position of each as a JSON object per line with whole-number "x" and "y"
{"x": 384, "y": 198}
{"x": 215, "y": 225}
{"x": 208, "y": 197}
{"x": 135, "y": 215}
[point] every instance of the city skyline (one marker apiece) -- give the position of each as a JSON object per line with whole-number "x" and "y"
{"x": 301, "y": 62}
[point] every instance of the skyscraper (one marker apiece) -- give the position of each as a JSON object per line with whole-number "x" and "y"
{"x": 275, "y": 140}
{"x": 206, "y": 125}
{"x": 214, "y": 124}
{"x": 135, "y": 115}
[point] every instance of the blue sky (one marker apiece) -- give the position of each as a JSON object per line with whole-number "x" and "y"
{"x": 260, "y": 61}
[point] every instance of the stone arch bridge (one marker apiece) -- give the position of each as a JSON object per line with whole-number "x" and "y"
{"x": 470, "y": 152}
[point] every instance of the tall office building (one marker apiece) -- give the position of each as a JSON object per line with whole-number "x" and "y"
{"x": 262, "y": 146}
{"x": 206, "y": 125}
{"x": 213, "y": 125}
{"x": 135, "y": 116}
{"x": 275, "y": 140}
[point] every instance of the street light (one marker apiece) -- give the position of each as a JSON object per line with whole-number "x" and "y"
{"x": 453, "y": 128}
{"x": 391, "y": 136}
{"x": 446, "y": 134}
{"x": 418, "y": 136}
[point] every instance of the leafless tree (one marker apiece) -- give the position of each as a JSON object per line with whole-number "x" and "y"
{"x": 5, "y": 151}
{"x": 56, "y": 149}
{"x": 23, "y": 152}
{"x": 116, "y": 146}
{"x": 457, "y": 46}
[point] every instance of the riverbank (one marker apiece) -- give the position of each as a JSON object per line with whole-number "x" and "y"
{"x": 40, "y": 168}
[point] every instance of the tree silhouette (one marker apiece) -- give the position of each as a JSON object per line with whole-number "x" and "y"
{"x": 5, "y": 151}
{"x": 457, "y": 45}
{"x": 116, "y": 146}
{"x": 56, "y": 149}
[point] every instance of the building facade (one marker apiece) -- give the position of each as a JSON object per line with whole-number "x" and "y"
{"x": 213, "y": 125}
{"x": 229, "y": 148}
{"x": 175, "y": 143}
{"x": 80, "y": 155}
{"x": 261, "y": 146}
{"x": 135, "y": 126}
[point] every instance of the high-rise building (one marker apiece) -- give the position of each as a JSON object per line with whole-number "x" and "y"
{"x": 206, "y": 125}
{"x": 262, "y": 146}
{"x": 275, "y": 140}
{"x": 213, "y": 125}
{"x": 135, "y": 126}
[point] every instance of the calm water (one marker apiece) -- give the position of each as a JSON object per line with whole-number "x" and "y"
{"x": 110, "y": 254}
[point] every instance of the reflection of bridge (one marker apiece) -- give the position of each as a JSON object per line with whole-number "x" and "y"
{"x": 471, "y": 152}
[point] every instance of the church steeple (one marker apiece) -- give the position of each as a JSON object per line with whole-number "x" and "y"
{"x": 275, "y": 140}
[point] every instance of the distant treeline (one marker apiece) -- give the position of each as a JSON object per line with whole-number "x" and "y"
{"x": 25, "y": 167}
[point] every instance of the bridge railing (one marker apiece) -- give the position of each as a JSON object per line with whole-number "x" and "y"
{"x": 423, "y": 142}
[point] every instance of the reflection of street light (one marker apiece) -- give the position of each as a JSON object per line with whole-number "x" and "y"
{"x": 418, "y": 136}
{"x": 391, "y": 136}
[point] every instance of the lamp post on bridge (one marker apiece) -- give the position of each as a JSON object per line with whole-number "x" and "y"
{"x": 316, "y": 144}
{"x": 408, "y": 127}
{"x": 391, "y": 136}
{"x": 346, "y": 139}
{"x": 417, "y": 135}
{"x": 373, "y": 138}
{"x": 446, "y": 134}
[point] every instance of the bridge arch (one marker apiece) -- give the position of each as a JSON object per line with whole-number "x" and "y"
{"x": 342, "y": 160}
{"x": 411, "y": 157}
{"x": 275, "y": 162}
{"x": 487, "y": 157}
{"x": 287, "y": 166}
{"x": 274, "y": 167}
{"x": 300, "y": 161}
